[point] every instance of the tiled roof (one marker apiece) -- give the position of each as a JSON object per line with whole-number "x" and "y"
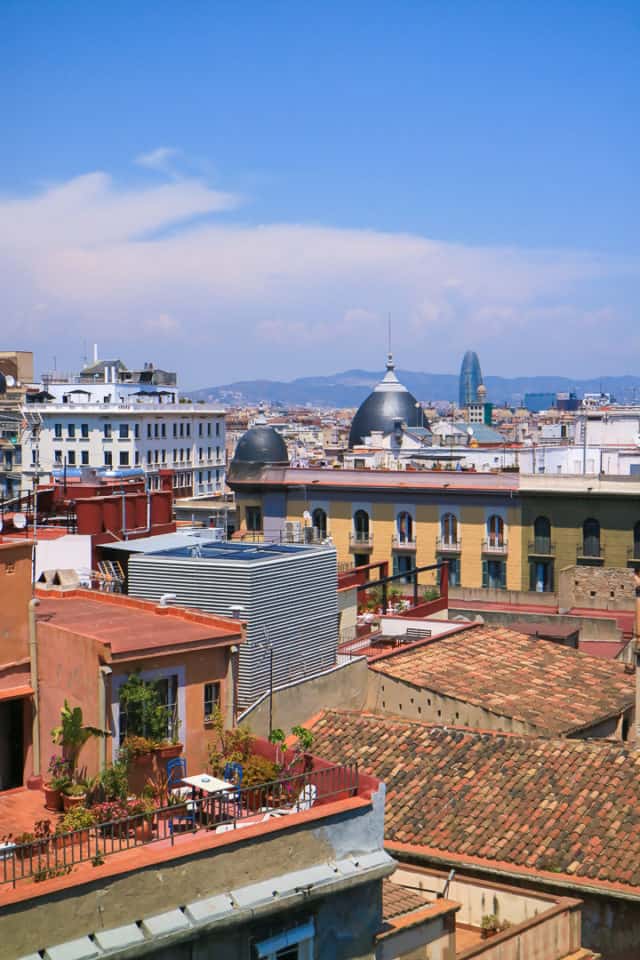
{"x": 553, "y": 688}
{"x": 397, "y": 900}
{"x": 566, "y": 806}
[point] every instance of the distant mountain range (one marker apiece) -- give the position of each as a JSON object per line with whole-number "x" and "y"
{"x": 348, "y": 389}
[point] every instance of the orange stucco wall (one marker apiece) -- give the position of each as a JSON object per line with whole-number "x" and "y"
{"x": 201, "y": 666}
{"x": 68, "y": 666}
{"x": 15, "y": 594}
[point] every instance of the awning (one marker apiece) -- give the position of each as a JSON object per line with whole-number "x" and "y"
{"x": 15, "y": 693}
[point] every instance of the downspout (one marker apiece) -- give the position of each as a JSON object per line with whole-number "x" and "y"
{"x": 33, "y": 657}
{"x": 103, "y": 679}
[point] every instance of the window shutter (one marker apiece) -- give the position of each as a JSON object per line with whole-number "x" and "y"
{"x": 485, "y": 573}
{"x": 503, "y": 575}
{"x": 532, "y": 576}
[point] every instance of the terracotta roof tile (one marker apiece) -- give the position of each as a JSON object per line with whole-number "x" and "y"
{"x": 553, "y": 688}
{"x": 565, "y": 806}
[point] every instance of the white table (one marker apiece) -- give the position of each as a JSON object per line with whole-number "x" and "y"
{"x": 207, "y": 783}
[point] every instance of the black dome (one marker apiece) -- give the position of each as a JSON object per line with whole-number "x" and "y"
{"x": 261, "y": 444}
{"x": 388, "y": 401}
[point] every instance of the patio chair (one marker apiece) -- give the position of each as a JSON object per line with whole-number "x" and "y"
{"x": 176, "y": 771}
{"x": 306, "y": 799}
{"x": 233, "y": 797}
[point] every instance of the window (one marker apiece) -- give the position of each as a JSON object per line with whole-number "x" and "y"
{"x": 319, "y": 521}
{"x": 34, "y": 457}
{"x": 137, "y": 458}
{"x": 217, "y": 428}
{"x": 361, "y": 526}
{"x": 124, "y": 458}
{"x": 148, "y": 431}
{"x": 148, "y": 708}
{"x": 404, "y": 523}
{"x": 84, "y": 431}
{"x": 541, "y": 576}
{"x": 188, "y": 426}
{"x": 495, "y": 531}
{"x": 200, "y": 426}
{"x": 155, "y": 429}
{"x": 71, "y": 458}
{"x": 494, "y": 574}
{"x": 209, "y": 429}
{"x": 71, "y": 429}
{"x": 254, "y": 519}
{"x": 217, "y": 453}
{"x": 57, "y": 456}
{"x": 163, "y": 429}
{"x": 636, "y": 541}
{"x": 211, "y": 699}
{"x": 175, "y": 429}
{"x": 454, "y": 571}
{"x": 136, "y": 431}
{"x": 591, "y": 538}
{"x": 107, "y": 431}
{"x": 57, "y": 431}
{"x": 123, "y": 431}
{"x": 182, "y": 429}
{"x": 404, "y": 563}
{"x": 84, "y": 458}
{"x": 108, "y": 458}
{"x": 295, "y": 944}
{"x": 449, "y": 530}
{"x": 149, "y": 457}
{"x": 542, "y": 535}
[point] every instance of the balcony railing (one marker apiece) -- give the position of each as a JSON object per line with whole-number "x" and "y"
{"x": 448, "y": 545}
{"x": 56, "y": 854}
{"x": 495, "y": 545}
{"x": 633, "y": 553}
{"x": 403, "y": 541}
{"x": 589, "y": 550}
{"x": 361, "y": 540}
{"x": 542, "y": 547}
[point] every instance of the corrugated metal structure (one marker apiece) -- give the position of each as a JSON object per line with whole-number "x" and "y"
{"x": 288, "y": 594}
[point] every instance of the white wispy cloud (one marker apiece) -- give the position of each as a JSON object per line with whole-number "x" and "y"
{"x": 154, "y": 262}
{"x": 161, "y": 159}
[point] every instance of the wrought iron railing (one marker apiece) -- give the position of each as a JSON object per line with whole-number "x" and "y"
{"x": 56, "y": 854}
{"x": 494, "y": 545}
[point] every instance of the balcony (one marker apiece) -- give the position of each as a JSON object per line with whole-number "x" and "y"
{"x": 541, "y": 547}
{"x": 495, "y": 546}
{"x": 403, "y": 542}
{"x": 590, "y": 551}
{"x": 633, "y": 555}
{"x": 361, "y": 540}
{"x": 448, "y": 545}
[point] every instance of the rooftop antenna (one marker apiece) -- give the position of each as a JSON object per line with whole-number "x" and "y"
{"x": 389, "y": 333}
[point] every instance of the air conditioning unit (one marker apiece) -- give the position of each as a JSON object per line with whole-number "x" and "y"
{"x": 292, "y": 531}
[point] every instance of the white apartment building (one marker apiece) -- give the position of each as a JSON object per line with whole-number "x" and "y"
{"x": 187, "y": 439}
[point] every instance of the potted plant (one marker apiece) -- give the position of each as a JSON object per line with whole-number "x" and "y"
{"x": 73, "y": 795}
{"x": 71, "y": 735}
{"x": 59, "y": 778}
{"x": 33, "y": 844}
{"x": 77, "y": 822}
{"x": 278, "y": 738}
{"x": 489, "y": 926}
{"x": 142, "y": 810}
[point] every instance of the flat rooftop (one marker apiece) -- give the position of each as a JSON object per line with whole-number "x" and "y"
{"x": 226, "y": 551}
{"x": 128, "y": 626}
{"x": 553, "y": 688}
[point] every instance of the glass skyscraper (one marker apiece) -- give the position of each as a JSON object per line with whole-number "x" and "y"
{"x": 470, "y": 379}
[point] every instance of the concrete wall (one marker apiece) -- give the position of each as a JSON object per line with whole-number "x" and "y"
{"x": 502, "y": 596}
{"x": 591, "y": 628}
{"x": 434, "y": 939}
{"x": 344, "y": 687}
{"x": 71, "y": 552}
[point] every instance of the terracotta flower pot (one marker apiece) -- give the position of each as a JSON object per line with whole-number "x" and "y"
{"x": 69, "y": 802}
{"x": 167, "y": 751}
{"x": 52, "y": 798}
{"x": 144, "y": 831}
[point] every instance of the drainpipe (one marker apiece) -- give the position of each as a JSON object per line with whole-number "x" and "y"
{"x": 636, "y": 655}
{"x": 103, "y": 681}
{"x": 33, "y": 657}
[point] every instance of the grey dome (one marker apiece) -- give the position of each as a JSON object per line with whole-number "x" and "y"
{"x": 388, "y": 401}
{"x": 261, "y": 444}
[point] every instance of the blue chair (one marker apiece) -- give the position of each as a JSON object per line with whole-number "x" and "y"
{"x": 233, "y": 774}
{"x": 176, "y": 770}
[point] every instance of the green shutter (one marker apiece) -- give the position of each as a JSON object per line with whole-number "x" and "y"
{"x": 485, "y": 573}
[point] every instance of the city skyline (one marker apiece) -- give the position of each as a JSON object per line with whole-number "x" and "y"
{"x": 261, "y": 188}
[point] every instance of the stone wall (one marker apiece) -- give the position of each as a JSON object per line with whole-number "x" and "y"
{"x": 599, "y": 588}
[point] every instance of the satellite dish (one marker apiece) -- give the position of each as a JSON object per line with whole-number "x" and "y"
{"x": 11, "y": 381}
{"x": 19, "y": 521}
{"x": 470, "y": 431}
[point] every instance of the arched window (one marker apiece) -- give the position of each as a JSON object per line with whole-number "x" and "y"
{"x": 591, "y": 538}
{"x": 495, "y": 531}
{"x": 319, "y": 520}
{"x": 361, "y": 525}
{"x": 449, "y": 529}
{"x": 405, "y": 527}
{"x": 636, "y": 541}
{"x": 542, "y": 535}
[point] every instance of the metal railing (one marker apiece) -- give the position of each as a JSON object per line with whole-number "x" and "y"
{"x": 361, "y": 538}
{"x": 55, "y": 854}
{"x": 542, "y": 547}
{"x": 403, "y": 541}
{"x": 496, "y": 545}
{"x": 448, "y": 545}
{"x": 590, "y": 550}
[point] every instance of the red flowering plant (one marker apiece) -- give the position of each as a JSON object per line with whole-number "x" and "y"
{"x": 59, "y": 772}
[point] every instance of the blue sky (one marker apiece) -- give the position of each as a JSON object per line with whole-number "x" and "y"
{"x": 248, "y": 190}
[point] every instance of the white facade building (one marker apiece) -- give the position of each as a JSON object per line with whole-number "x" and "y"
{"x": 186, "y": 438}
